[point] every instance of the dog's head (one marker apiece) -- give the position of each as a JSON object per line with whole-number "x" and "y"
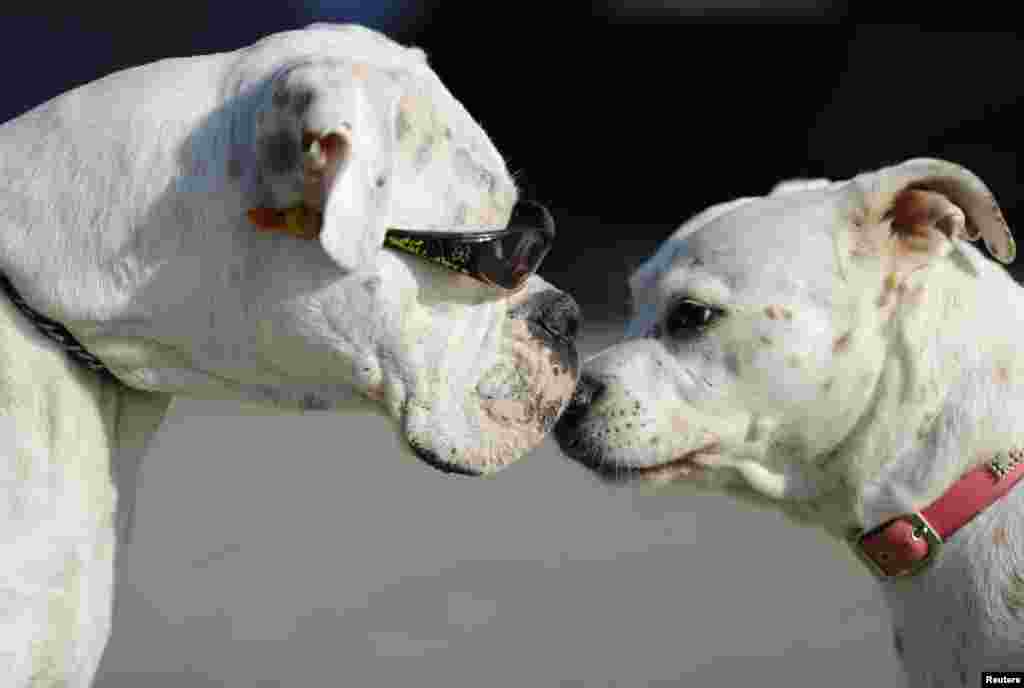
{"x": 180, "y": 280}
{"x": 361, "y": 130}
{"x": 782, "y": 345}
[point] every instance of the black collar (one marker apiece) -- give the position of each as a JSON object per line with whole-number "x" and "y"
{"x": 51, "y": 329}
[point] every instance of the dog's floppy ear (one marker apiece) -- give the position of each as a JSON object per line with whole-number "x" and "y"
{"x": 325, "y": 153}
{"x": 357, "y": 189}
{"x": 928, "y": 201}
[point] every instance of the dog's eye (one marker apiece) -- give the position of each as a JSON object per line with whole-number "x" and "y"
{"x": 690, "y": 317}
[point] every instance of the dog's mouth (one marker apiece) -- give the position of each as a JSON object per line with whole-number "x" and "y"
{"x": 687, "y": 466}
{"x": 431, "y": 458}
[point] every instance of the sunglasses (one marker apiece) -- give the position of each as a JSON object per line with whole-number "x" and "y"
{"x": 505, "y": 257}
{"x": 500, "y": 257}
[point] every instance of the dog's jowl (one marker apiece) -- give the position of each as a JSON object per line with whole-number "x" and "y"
{"x": 839, "y": 350}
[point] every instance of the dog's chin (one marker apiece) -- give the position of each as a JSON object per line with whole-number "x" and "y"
{"x": 446, "y": 445}
{"x": 482, "y": 436}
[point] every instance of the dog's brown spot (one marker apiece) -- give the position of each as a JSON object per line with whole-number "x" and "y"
{"x": 1002, "y": 375}
{"x": 773, "y": 312}
{"x": 361, "y": 71}
{"x": 1000, "y": 538}
{"x": 679, "y": 424}
{"x": 375, "y": 392}
{"x": 842, "y": 344}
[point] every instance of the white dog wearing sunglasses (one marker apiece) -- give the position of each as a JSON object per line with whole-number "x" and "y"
{"x": 840, "y": 352}
{"x": 214, "y": 227}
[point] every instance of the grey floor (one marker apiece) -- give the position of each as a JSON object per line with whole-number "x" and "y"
{"x": 300, "y": 552}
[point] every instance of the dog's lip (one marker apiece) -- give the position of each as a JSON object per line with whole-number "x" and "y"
{"x": 689, "y": 464}
{"x": 430, "y": 457}
{"x": 683, "y": 465}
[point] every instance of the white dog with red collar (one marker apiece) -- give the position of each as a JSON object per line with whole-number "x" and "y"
{"x": 213, "y": 227}
{"x": 839, "y": 351}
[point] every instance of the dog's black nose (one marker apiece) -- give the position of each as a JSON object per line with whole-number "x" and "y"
{"x": 560, "y": 316}
{"x": 588, "y": 391}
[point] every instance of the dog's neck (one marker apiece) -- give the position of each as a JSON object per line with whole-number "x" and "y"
{"x": 73, "y": 437}
{"x": 51, "y": 329}
{"x": 942, "y": 407}
{"x": 956, "y": 398}
{"x": 949, "y": 396}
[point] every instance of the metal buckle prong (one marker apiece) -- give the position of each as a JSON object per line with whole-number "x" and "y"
{"x": 921, "y": 529}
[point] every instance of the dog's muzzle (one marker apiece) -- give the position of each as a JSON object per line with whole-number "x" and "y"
{"x": 552, "y": 318}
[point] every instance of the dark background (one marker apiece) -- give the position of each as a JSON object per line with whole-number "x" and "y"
{"x": 626, "y": 121}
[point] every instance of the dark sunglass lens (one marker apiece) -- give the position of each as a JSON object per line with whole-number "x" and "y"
{"x": 510, "y": 259}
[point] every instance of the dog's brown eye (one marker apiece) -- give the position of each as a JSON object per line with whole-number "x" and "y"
{"x": 690, "y": 317}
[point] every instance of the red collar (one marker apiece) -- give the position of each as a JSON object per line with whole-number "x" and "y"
{"x": 905, "y": 545}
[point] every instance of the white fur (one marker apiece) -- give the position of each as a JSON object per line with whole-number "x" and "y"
{"x": 857, "y": 372}
{"x": 122, "y": 215}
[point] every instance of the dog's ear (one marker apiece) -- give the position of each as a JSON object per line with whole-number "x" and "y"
{"x": 356, "y": 178}
{"x": 325, "y": 154}
{"x": 929, "y": 204}
{"x": 357, "y": 192}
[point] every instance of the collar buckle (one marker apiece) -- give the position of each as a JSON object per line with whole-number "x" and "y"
{"x": 901, "y": 547}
